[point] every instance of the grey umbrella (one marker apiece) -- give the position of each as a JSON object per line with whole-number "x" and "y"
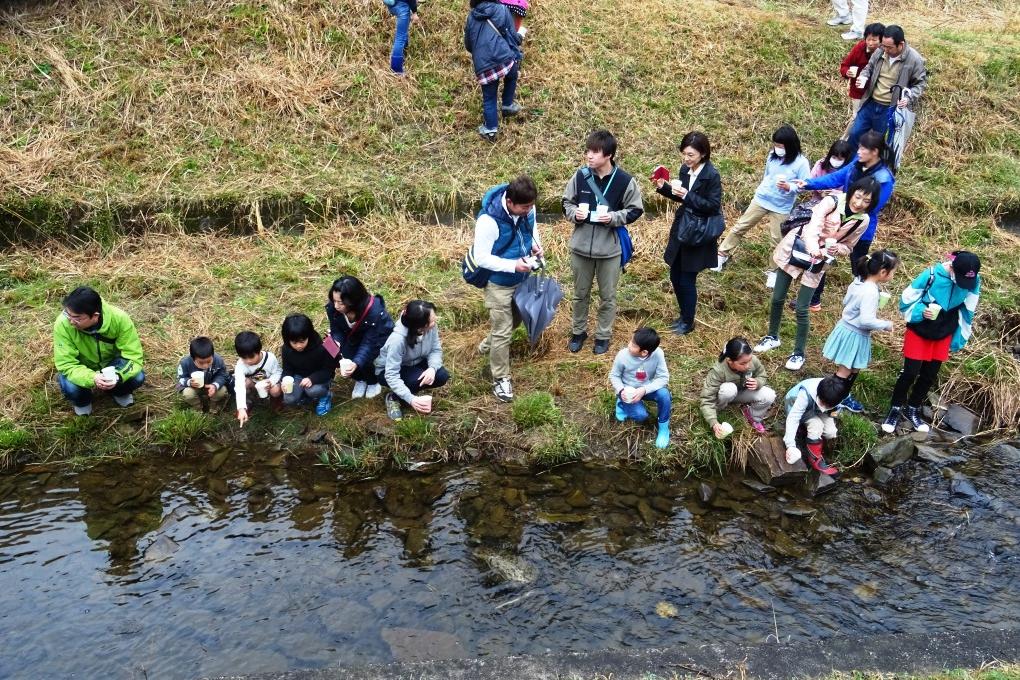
{"x": 536, "y": 299}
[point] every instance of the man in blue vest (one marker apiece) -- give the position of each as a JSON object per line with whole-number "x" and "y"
{"x": 506, "y": 240}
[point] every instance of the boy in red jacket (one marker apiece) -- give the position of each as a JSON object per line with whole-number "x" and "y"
{"x": 854, "y": 62}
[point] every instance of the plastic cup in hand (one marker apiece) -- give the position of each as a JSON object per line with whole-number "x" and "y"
{"x": 109, "y": 373}
{"x": 583, "y": 208}
{"x": 262, "y": 387}
{"x": 346, "y": 365}
{"x": 428, "y": 402}
{"x": 676, "y": 184}
{"x": 627, "y": 394}
{"x": 726, "y": 430}
{"x": 883, "y": 299}
{"x": 198, "y": 377}
{"x": 934, "y": 308}
{"x": 287, "y": 384}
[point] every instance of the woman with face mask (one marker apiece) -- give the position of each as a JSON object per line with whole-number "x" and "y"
{"x": 774, "y": 198}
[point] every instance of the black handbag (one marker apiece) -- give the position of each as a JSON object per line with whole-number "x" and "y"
{"x": 801, "y": 258}
{"x": 695, "y": 230}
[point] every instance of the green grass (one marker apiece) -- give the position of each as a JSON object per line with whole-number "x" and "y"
{"x": 857, "y": 435}
{"x": 557, "y": 444}
{"x": 536, "y": 409}
{"x": 181, "y": 428}
{"x": 416, "y": 433}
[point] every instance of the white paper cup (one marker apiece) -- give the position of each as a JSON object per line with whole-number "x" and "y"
{"x": 934, "y": 308}
{"x": 287, "y": 384}
{"x": 198, "y": 377}
{"x": 726, "y": 428}
{"x": 427, "y": 398}
{"x": 345, "y": 364}
{"x": 829, "y": 243}
{"x": 109, "y": 372}
{"x": 676, "y": 184}
{"x": 262, "y": 387}
{"x": 583, "y": 208}
{"x": 628, "y": 394}
{"x": 883, "y": 299}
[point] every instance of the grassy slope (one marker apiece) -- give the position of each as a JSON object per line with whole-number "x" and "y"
{"x": 121, "y": 105}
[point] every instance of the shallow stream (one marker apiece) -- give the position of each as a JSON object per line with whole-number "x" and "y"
{"x": 249, "y": 562}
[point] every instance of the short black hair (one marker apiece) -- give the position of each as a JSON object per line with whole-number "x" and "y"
{"x": 522, "y": 190}
{"x": 787, "y": 136}
{"x": 699, "y": 142}
{"x": 872, "y": 140}
{"x": 299, "y": 327}
{"x": 83, "y": 300}
{"x": 832, "y": 390}
{"x": 247, "y": 344}
{"x": 200, "y": 348}
{"x": 646, "y": 339}
{"x": 874, "y": 29}
{"x": 867, "y": 185}
{"x": 896, "y": 33}
{"x": 603, "y": 141}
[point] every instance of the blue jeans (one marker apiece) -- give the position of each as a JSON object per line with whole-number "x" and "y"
{"x": 411, "y": 375}
{"x": 490, "y": 92}
{"x": 637, "y": 411}
{"x": 313, "y": 392}
{"x": 872, "y": 116}
{"x": 403, "y": 14}
{"x": 82, "y": 396}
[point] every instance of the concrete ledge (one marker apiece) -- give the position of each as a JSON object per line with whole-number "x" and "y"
{"x": 889, "y": 653}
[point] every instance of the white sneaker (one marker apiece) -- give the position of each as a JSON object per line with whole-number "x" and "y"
{"x": 839, "y": 21}
{"x": 767, "y": 343}
{"x": 770, "y": 279}
{"x": 795, "y": 362}
{"x": 83, "y": 410}
{"x": 722, "y": 260}
{"x": 360, "y": 387}
{"x": 851, "y": 35}
{"x": 124, "y": 400}
{"x": 503, "y": 390}
{"x": 373, "y": 391}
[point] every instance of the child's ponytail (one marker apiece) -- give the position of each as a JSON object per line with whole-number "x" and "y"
{"x": 735, "y": 348}
{"x": 878, "y": 261}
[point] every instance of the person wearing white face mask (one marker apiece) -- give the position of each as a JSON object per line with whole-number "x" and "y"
{"x": 773, "y": 199}
{"x": 838, "y": 155}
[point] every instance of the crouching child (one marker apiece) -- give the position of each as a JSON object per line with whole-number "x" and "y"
{"x": 308, "y": 369}
{"x": 639, "y": 374}
{"x": 738, "y": 377}
{"x": 812, "y": 402}
{"x": 202, "y": 377}
{"x": 257, "y": 370}
{"x": 411, "y": 361}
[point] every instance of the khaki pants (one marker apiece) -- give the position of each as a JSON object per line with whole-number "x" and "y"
{"x": 819, "y": 427}
{"x": 503, "y": 318}
{"x": 586, "y": 270}
{"x": 193, "y": 397}
{"x": 855, "y": 106}
{"x": 754, "y": 214}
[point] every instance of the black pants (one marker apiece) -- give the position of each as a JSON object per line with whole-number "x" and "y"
{"x": 920, "y": 374}
{"x": 860, "y": 250}
{"x": 685, "y": 286}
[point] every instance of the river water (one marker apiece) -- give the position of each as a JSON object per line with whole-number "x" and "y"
{"x": 251, "y": 562}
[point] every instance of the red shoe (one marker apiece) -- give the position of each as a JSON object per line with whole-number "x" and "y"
{"x": 815, "y": 459}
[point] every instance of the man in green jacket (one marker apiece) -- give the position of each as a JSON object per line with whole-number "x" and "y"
{"x": 95, "y": 347}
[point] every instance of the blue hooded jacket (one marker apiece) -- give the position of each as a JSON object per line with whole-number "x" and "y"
{"x": 844, "y": 177}
{"x": 491, "y": 48}
{"x": 947, "y": 295}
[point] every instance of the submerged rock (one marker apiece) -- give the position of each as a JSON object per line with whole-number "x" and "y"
{"x": 755, "y": 485}
{"x": 1006, "y": 453}
{"x": 706, "y": 492}
{"x": 160, "y": 549}
{"x": 216, "y": 462}
{"x": 578, "y": 499}
{"x": 961, "y": 487}
{"x": 412, "y": 644}
{"x": 931, "y": 454}
{"x": 818, "y": 484}
{"x": 882, "y": 475}
{"x": 509, "y": 567}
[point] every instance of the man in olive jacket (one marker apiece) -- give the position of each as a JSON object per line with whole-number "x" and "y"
{"x": 598, "y": 199}
{"x": 95, "y": 347}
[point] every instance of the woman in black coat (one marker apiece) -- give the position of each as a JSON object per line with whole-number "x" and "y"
{"x": 703, "y": 200}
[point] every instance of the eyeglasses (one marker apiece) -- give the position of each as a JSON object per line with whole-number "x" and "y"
{"x": 76, "y": 318}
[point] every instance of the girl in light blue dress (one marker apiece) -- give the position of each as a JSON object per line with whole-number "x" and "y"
{"x": 849, "y": 343}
